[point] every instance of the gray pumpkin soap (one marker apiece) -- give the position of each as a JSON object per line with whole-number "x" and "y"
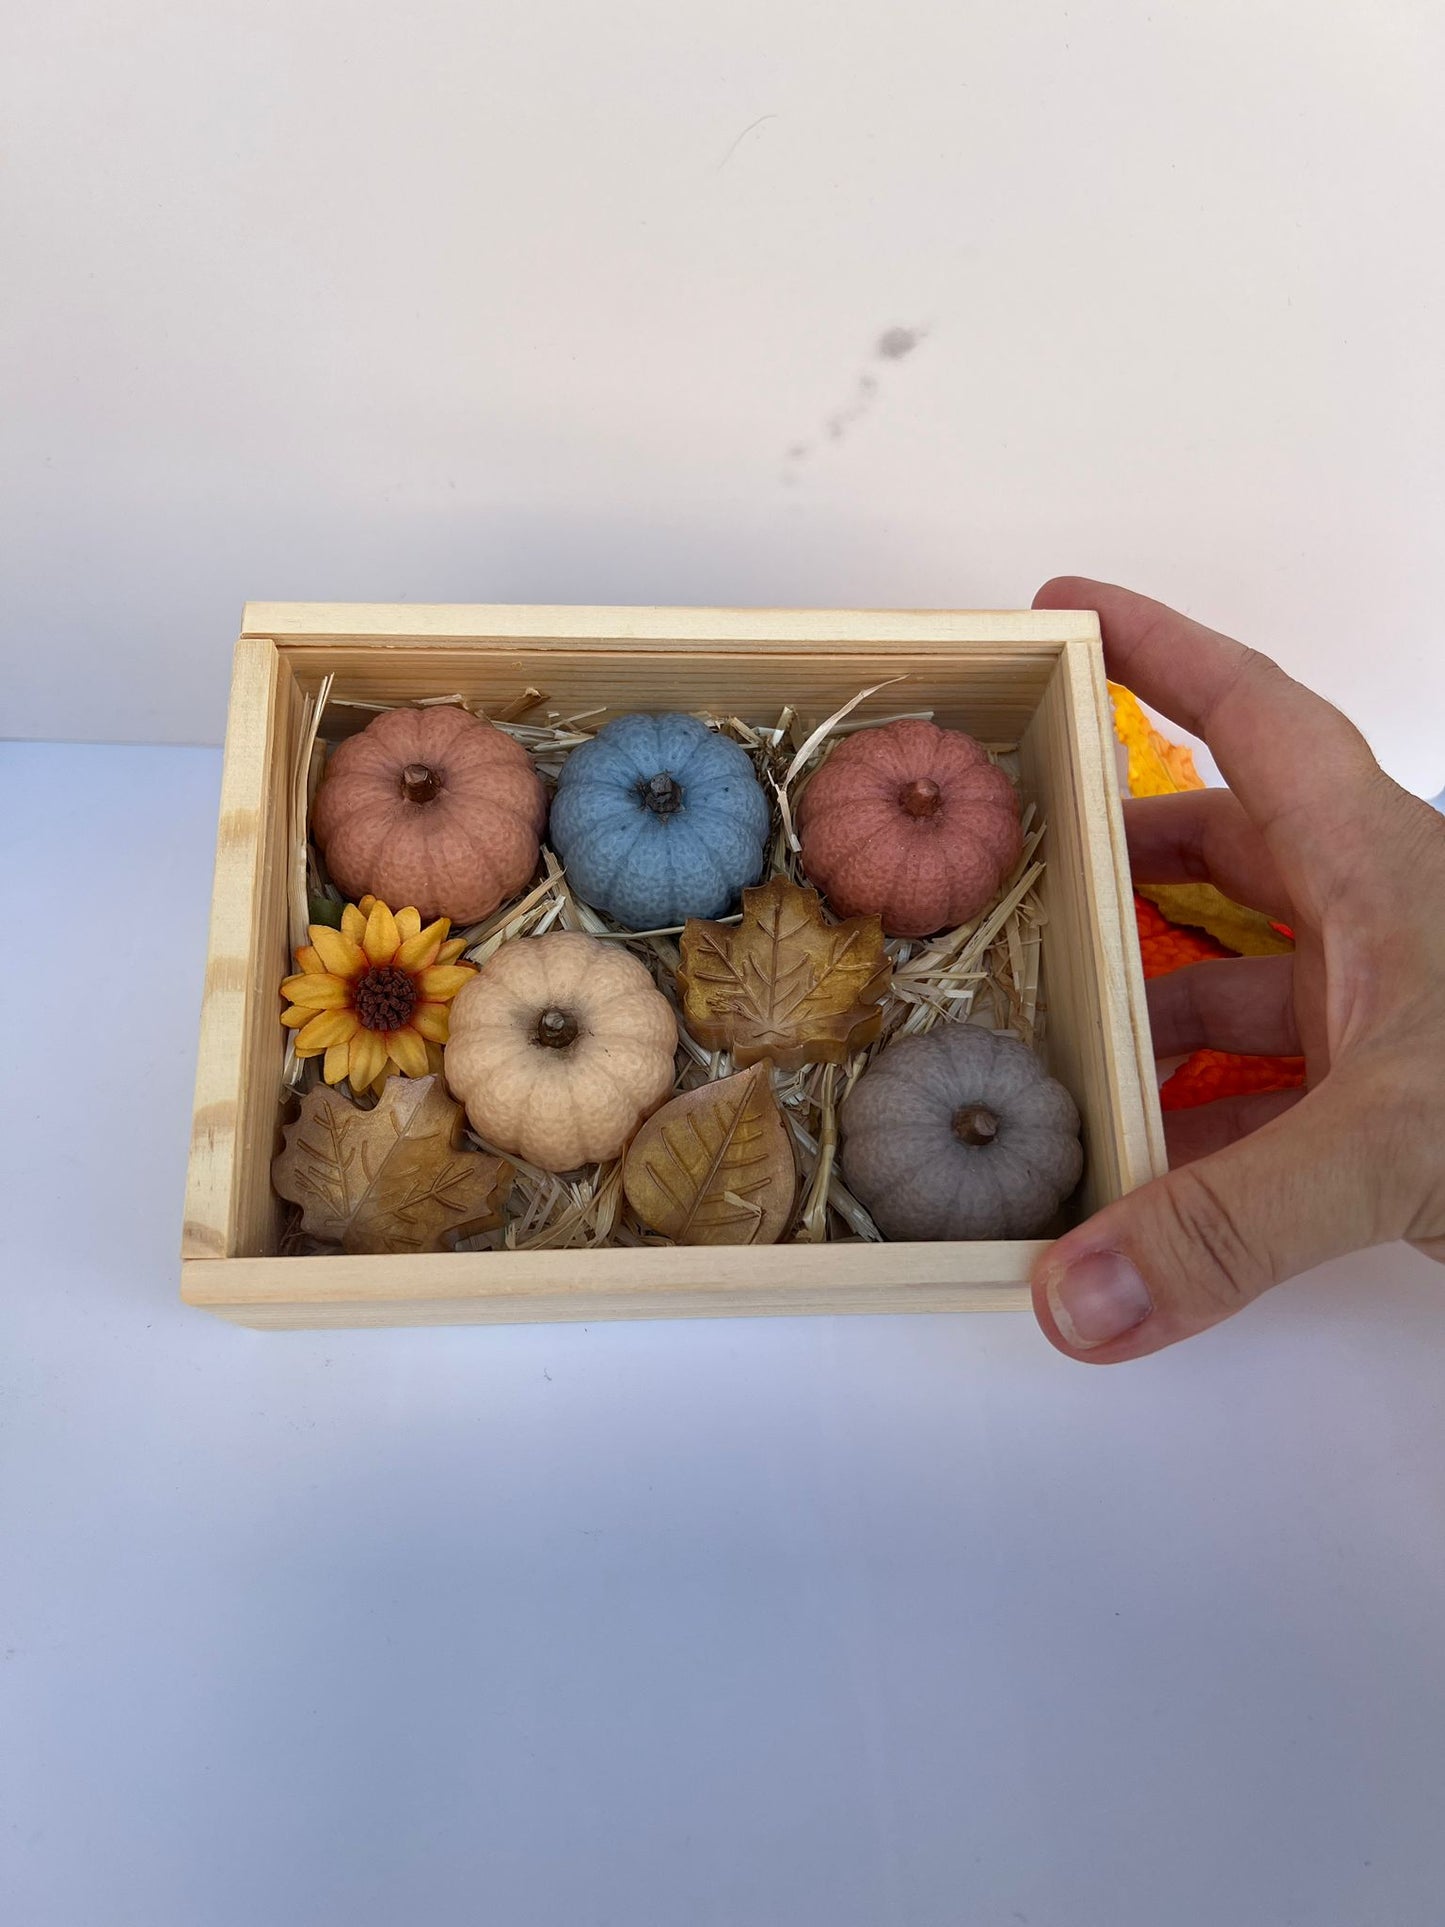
{"x": 960, "y": 1134}
{"x": 659, "y": 819}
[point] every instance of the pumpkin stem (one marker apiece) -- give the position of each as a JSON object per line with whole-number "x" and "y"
{"x": 973, "y": 1124}
{"x": 662, "y": 794}
{"x": 921, "y": 797}
{"x": 420, "y": 784}
{"x": 556, "y": 1029}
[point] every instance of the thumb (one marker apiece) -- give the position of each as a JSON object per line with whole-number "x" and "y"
{"x": 1186, "y": 1251}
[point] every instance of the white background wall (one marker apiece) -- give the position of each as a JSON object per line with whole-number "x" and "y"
{"x": 519, "y": 300}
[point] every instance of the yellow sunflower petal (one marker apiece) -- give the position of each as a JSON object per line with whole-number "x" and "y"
{"x": 408, "y": 922}
{"x": 368, "y": 1055}
{"x": 443, "y": 981}
{"x": 382, "y": 937}
{"x": 317, "y": 993}
{"x": 408, "y": 1052}
{"x": 342, "y": 957}
{"x": 298, "y": 1015}
{"x": 326, "y": 1028}
{"x": 308, "y": 959}
{"x": 434, "y": 1059}
{"x": 353, "y": 923}
{"x": 365, "y": 907}
{"x": 432, "y": 1021}
{"x": 337, "y": 1056}
{"x": 420, "y": 949}
{"x": 450, "y": 951}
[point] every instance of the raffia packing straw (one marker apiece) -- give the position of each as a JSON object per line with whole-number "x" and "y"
{"x": 986, "y": 971}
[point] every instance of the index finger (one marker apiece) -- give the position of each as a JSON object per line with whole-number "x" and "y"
{"x": 1291, "y": 758}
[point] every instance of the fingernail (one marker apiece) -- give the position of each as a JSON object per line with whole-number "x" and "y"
{"x": 1098, "y": 1297}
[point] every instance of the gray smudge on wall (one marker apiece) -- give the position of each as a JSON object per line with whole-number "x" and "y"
{"x": 892, "y": 345}
{"x": 895, "y": 343}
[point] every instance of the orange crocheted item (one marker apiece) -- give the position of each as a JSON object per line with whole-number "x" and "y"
{"x": 1164, "y": 946}
{"x": 1158, "y": 767}
{"x": 1208, "y": 1074}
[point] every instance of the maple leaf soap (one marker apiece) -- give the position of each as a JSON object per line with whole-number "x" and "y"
{"x": 784, "y": 983}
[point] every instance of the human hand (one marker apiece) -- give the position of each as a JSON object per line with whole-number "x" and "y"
{"x": 1312, "y": 832}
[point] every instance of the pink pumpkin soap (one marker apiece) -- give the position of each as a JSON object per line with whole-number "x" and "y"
{"x": 431, "y": 809}
{"x": 910, "y": 823}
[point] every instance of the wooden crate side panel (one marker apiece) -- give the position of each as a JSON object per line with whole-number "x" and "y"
{"x": 230, "y": 1209}
{"x": 560, "y": 1286}
{"x": 402, "y": 1313}
{"x": 1067, "y": 761}
{"x": 261, "y": 1212}
{"x": 215, "y": 1150}
{"x": 990, "y": 693}
{"x": 1145, "y": 1156}
{"x": 437, "y": 624}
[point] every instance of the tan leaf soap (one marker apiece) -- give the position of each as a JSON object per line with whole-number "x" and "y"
{"x": 394, "y": 1178}
{"x": 715, "y": 1166}
{"x": 784, "y": 983}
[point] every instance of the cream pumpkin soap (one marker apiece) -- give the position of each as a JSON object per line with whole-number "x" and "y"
{"x": 559, "y": 1048}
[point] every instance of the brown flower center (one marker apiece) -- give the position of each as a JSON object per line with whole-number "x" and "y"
{"x": 973, "y": 1124}
{"x": 384, "y": 998}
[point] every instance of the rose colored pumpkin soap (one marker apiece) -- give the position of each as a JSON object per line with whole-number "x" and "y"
{"x": 911, "y": 823}
{"x": 431, "y": 807}
{"x": 960, "y": 1133}
{"x": 559, "y": 1048}
{"x": 659, "y": 819}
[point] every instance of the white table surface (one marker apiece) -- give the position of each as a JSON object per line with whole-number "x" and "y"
{"x": 855, "y": 1623}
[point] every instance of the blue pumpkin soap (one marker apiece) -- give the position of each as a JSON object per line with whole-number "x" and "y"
{"x": 659, "y": 819}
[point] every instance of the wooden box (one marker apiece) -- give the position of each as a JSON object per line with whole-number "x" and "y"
{"x": 1033, "y": 678}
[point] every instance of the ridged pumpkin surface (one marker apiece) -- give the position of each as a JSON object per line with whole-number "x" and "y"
{"x": 560, "y": 1094}
{"x": 911, "y": 823}
{"x": 960, "y": 1133}
{"x": 659, "y": 819}
{"x": 465, "y": 841}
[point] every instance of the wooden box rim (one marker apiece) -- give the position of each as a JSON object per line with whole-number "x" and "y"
{"x": 665, "y": 1282}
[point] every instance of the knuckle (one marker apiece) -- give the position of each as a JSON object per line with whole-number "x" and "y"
{"x": 1246, "y": 668}
{"x": 1255, "y": 665}
{"x": 1214, "y": 1253}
